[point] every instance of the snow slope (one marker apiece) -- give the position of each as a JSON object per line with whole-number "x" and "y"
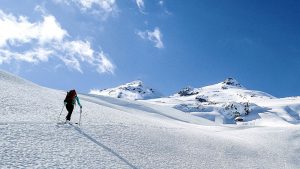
{"x": 135, "y": 90}
{"x": 129, "y": 134}
{"x": 224, "y": 101}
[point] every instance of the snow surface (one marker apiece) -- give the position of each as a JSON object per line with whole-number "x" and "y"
{"x": 118, "y": 133}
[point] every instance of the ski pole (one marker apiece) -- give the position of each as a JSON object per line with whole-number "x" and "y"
{"x": 61, "y": 112}
{"x": 80, "y": 117}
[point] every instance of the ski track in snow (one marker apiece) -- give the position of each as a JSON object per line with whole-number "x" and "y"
{"x": 23, "y": 146}
{"x": 129, "y": 134}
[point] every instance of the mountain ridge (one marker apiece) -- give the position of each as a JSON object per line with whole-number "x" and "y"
{"x": 135, "y": 90}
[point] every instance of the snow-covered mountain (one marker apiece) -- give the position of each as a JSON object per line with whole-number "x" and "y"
{"x": 119, "y": 133}
{"x": 225, "y": 102}
{"x": 135, "y": 90}
{"x": 228, "y": 101}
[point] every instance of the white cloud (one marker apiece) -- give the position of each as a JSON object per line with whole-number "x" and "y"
{"x": 105, "y": 65}
{"x": 50, "y": 30}
{"x": 141, "y": 5}
{"x": 106, "y": 5}
{"x": 83, "y": 51}
{"x": 32, "y": 56}
{"x": 104, "y": 8}
{"x": 19, "y": 30}
{"x": 155, "y": 36}
{"x": 46, "y": 39}
{"x": 72, "y": 63}
{"x": 80, "y": 48}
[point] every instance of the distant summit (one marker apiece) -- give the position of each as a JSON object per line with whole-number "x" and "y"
{"x": 135, "y": 90}
{"x": 231, "y": 82}
{"x": 135, "y": 83}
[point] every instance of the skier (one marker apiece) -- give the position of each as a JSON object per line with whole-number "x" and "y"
{"x": 70, "y": 101}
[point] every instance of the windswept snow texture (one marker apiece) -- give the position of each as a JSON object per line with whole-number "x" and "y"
{"x": 135, "y": 90}
{"x": 116, "y": 133}
{"x": 228, "y": 100}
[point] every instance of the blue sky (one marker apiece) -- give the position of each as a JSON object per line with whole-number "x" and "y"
{"x": 168, "y": 44}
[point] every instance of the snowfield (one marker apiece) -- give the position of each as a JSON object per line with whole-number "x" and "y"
{"x": 119, "y": 133}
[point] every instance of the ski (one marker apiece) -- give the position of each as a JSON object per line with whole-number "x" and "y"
{"x": 64, "y": 123}
{"x": 74, "y": 124}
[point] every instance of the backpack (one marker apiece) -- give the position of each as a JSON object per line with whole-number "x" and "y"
{"x": 70, "y": 97}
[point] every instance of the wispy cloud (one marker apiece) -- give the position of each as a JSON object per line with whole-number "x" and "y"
{"x": 105, "y": 65}
{"x": 81, "y": 51}
{"x": 80, "y": 48}
{"x": 154, "y": 36}
{"x": 161, "y": 3}
{"x": 32, "y": 56}
{"x": 40, "y": 9}
{"x": 45, "y": 39}
{"x": 106, "y": 5}
{"x": 141, "y": 5}
{"x": 104, "y": 8}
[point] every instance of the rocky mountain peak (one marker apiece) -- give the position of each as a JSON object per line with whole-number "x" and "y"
{"x": 231, "y": 82}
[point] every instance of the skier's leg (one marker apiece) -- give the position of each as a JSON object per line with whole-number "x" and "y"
{"x": 70, "y": 108}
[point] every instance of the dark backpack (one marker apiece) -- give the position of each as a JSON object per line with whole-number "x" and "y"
{"x": 70, "y": 97}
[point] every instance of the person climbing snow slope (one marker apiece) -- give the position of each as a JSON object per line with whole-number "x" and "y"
{"x": 70, "y": 102}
